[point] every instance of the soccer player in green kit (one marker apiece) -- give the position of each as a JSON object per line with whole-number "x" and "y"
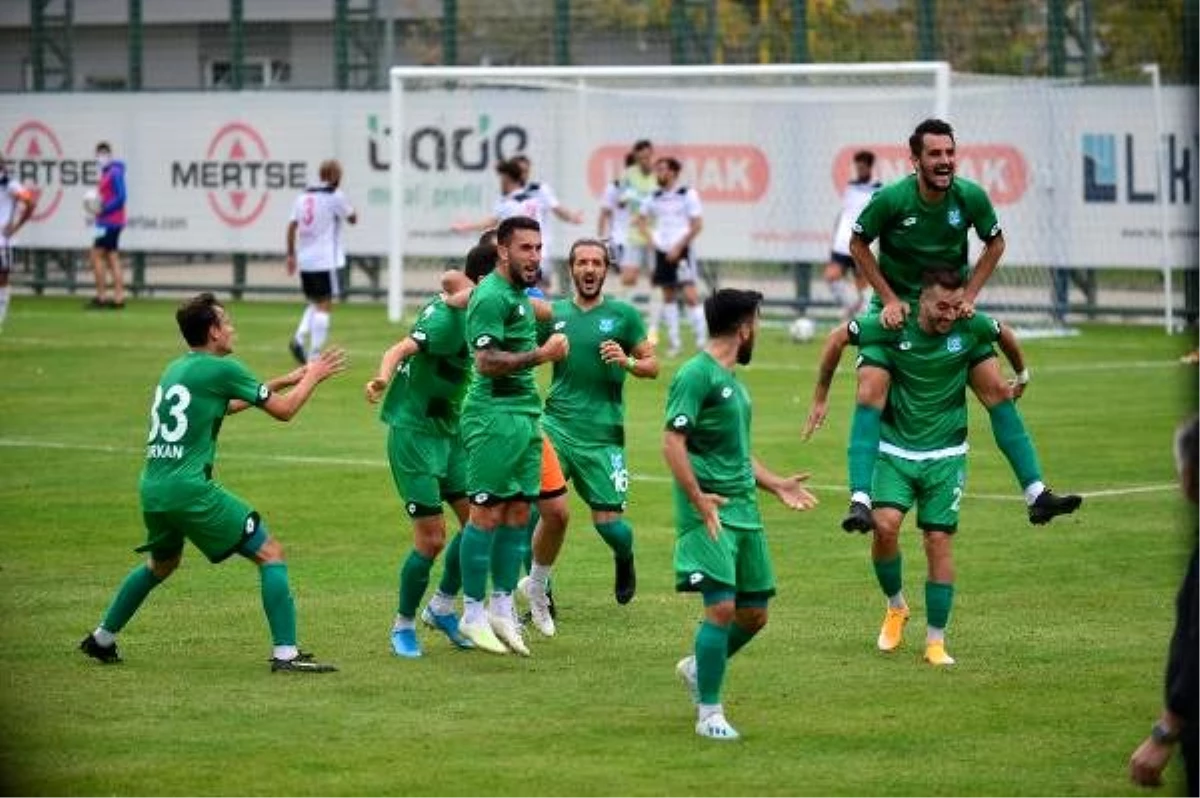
{"x": 421, "y": 380}
{"x": 921, "y": 460}
{"x": 179, "y": 498}
{"x": 584, "y": 415}
{"x": 501, "y": 433}
{"x": 922, "y": 219}
{"x": 720, "y": 544}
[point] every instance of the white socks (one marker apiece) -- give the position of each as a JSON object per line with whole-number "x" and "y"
{"x": 286, "y": 653}
{"x": 3, "y": 304}
{"x": 320, "y": 331}
{"x": 104, "y": 637}
{"x": 473, "y": 611}
{"x": 656, "y": 312}
{"x": 441, "y": 604}
{"x": 671, "y": 315}
{"x": 861, "y": 498}
{"x": 540, "y": 574}
{"x": 1033, "y": 490}
{"x": 401, "y": 623}
{"x": 305, "y": 325}
{"x": 699, "y": 327}
{"x": 501, "y": 605}
{"x": 897, "y": 601}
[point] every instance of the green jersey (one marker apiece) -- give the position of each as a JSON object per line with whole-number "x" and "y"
{"x": 190, "y": 402}
{"x": 914, "y": 234}
{"x": 426, "y": 394}
{"x": 500, "y": 317}
{"x": 586, "y": 398}
{"x": 926, "y": 408}
{"x": 709, "y": 405}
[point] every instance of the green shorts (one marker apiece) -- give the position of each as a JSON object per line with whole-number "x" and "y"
{"x": 504, "y": 457}
{"x": 738, "y": 560}
{"x": 427, "y": 470}
{"x": 935, "y": 486}
{"x": 218, "y": 523}
{"x": 598, "y": 470}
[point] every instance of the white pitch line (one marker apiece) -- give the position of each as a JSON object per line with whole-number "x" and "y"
{"x": 358, "y": 462}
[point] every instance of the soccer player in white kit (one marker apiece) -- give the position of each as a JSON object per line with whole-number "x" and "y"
{"x": 850, "y": 294}
{"x": 678, "y": 219}
{"x": 16, "y": 208}
{"x": 314, "y": 244}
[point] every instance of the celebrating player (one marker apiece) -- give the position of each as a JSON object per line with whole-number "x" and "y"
{"x": 179, "y": 498}
{"x": 585, "y": 414}
{"x": 678, "y": 219}
{"x": 421, "y": 408}
{"x": 920, "y": 219}
{"x": 17, "y": 204}
{"x": 845, "y": 282}
{"x": 922, "y": 453}
{"x": 720, "y": 544}
{"x": 109, "y": 222}
{"x": 501, "y": 433}
{"x": 314, "y": 243}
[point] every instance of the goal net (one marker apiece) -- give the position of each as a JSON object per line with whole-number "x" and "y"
{"x": 769, "y": 149}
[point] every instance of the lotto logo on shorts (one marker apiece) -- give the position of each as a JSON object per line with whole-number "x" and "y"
{"x": 480, "y": 498}
{"x": 679, "y": 422}
{"x": 695, "y": 578}
{"x": 482, "y": 341}
{"x": 250, "y": 525}
{"x": 412, "y": 508}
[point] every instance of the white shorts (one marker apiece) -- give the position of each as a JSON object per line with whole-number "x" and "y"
{"x": 635, "y": 256}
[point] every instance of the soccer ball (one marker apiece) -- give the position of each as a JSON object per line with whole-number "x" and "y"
{"x": 802, "y": 330}
{"x": 91, "y": 203}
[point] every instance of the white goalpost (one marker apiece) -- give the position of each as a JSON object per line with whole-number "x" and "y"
{"x": 770, "y": 147}
{"x": 763, "y": 143}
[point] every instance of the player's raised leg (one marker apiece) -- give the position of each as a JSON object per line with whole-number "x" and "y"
{"x": 1012, "y": 437}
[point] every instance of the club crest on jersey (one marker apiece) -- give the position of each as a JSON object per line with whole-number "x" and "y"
{"x": 954, "y": 217}
{"x": 726, "y": 392}
{"x": 954, "y": 344}
{"x": 559, "y": 325}
{"x": 909, "y": 221}
{"x": 679, "y": 422}
{"x": 607, "y": 325}
{"x": 482, "y": 341}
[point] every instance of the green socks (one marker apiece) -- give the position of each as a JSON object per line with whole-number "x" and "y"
{"x": 475, "y": 552}
{"x": 414, "y": 581}
{"x": 938, "y": 598}
{"x": 507, "y": 552}
{"x": 277, "y": 603}
{"x": 864, "y": 447}
{"x": 887, "y": 573}
{"x": 739, "y": 636}
{"x": 1013, "y": 439}
{"x": 618, "y": 535}
{"x": 133, "y": 591}
{"x": 712, "y": 645}
{"x": 452, "y": 567}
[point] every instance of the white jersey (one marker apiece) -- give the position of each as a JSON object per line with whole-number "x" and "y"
{"x": 11, "y": 197}
{"x": 673, "y": 210}
{"x": 319, "y": 214}
{"x": 535, "y": 200}
{"x": 855, "y": 198}
{"x": 624, "y": 202}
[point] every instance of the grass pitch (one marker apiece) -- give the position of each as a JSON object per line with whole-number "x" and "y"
{"x": 1060, "y": 632}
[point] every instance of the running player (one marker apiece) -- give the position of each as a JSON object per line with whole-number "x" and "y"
{"x": 921, "y": 459}
{"x": 921, "y": 219}
{"x": 17, "y": 204}
{"x": 584, "y": 415}
{"x": 678, "y": 219}
{"x": 314, "y": 244}
{"x": 421, "y": 407}
{"x": 845, "y": 282}
{"x": 501, "y": 433}
{"x": 720, "y": 544}
{"x": 180, "y": 500}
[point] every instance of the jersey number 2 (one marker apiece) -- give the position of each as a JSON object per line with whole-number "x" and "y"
{"x": 178, "y": 398}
